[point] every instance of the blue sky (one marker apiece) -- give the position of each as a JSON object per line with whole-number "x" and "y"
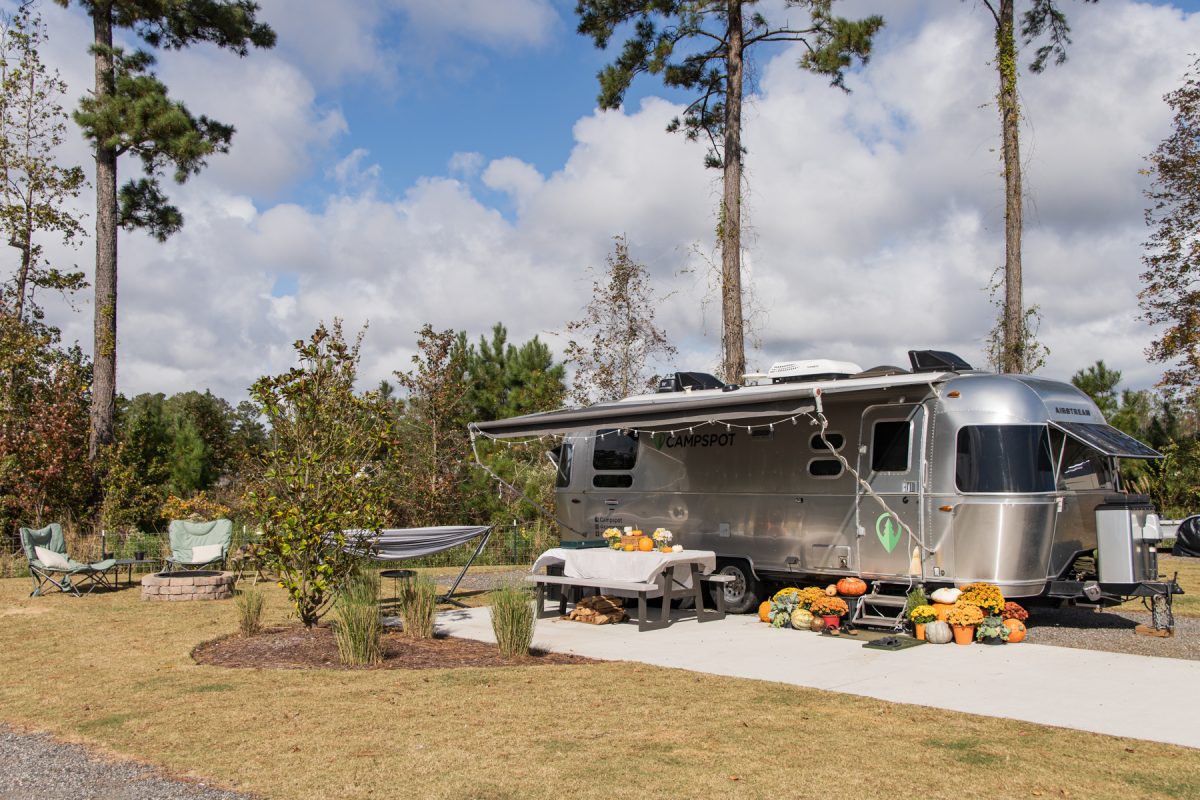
{"x": 399, "y": 162}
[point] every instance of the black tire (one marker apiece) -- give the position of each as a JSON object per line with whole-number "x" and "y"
{"x": 743, "y": 595}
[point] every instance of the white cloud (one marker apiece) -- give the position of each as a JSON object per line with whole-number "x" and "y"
{"x": 507, "y": 24}
{"x": 876, "y": 217}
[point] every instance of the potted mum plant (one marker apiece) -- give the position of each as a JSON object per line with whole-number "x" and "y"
{"x": 992, "y": 630}
{"x": 921, "y": 616}
{"x": 963, "y": 618}
{"x": 830, "y": 610}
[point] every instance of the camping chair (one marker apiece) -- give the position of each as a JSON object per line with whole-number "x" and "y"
{"x": 49, "y": 564}
{"x": 195, "y": 545}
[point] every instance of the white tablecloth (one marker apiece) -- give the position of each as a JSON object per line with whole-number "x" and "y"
{"x": 604, "y": 562}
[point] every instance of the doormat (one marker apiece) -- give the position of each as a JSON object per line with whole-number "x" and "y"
{"x": 892, "y": 643}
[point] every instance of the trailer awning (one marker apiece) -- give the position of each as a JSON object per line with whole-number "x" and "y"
{"x": 1107, "y": 439}
{"x": 695, "y": 410}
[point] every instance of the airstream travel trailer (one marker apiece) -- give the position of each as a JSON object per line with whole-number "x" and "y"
{"x": 939, "y": 474}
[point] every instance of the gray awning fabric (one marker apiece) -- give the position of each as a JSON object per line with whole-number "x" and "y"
{"x": 395, "y": 544}
{"x": 694, "y": 410}
{"x": 1107, "y": 439}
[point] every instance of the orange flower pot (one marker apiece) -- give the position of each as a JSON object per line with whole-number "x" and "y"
{"x": 920, "y": 631}
{"x": 963, "y": 634}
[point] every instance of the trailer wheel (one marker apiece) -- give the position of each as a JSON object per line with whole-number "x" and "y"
{"x": 741, "y": 596}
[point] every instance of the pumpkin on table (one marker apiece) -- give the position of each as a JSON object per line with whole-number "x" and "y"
{"x": 645, "y": 544}
{"x": 851, "y": 587}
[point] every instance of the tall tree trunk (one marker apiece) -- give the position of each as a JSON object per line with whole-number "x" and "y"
{"x": 733, "y": 344}
{"x": 26, "y": 248}
{"x": 104, "y": 369}
{"x": 1013, "y": 354}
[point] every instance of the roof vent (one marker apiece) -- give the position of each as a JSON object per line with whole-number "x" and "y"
{"x": 818, "y": 369}
{"x": 936, "y": 361}
{"x": 682, "y": 381}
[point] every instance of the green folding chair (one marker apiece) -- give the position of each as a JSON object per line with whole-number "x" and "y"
{"x": 49, "y": 565}
{"x": 195, "y": 545}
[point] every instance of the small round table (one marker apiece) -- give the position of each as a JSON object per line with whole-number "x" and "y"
{"x": 399, "y": 575}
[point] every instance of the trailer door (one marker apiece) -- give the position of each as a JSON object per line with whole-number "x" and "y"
{"x": 890, "y": 460}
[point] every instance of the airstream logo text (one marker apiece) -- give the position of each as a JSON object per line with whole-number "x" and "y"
{"x": 662, "y": 440}
{"x": 1078, "y": 412}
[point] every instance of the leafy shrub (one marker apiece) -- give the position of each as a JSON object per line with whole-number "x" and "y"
{"x": 197, "y": 507}
{"x": 359, "y": 631}
{"x": 512, "y": 619}
{"x": 417, "y": 603}
{"x": 250, "y": 602}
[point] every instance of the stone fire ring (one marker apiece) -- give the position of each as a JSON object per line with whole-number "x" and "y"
{"x": 196, "y": 584}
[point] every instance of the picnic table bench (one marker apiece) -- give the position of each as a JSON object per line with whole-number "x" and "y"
{"x": 660, "y": 580}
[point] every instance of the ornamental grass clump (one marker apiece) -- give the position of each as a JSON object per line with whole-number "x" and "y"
{"x": 250, "y": 602}
{"x": 417, "y": 604}
{"x": 916, "y": 597}
{"x": 512, "y": 619}
{"x": 359, "y": 630}
{"x": 984, "y": 595}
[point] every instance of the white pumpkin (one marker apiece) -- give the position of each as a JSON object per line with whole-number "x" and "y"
{"x": 947, "y": 595}
{"x": 938, "y": 632}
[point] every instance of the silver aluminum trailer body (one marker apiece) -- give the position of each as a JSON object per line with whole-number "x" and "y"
{"x": 972, "y": 477}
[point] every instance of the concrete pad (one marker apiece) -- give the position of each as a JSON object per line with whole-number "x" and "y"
{"x": 1141, "y": 697}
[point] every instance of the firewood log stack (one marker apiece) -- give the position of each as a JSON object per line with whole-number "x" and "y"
{"x": 598, "y": 610}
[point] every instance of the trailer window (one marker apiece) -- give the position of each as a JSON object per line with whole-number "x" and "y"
{"x": 614, "y": 450}
{"x": 825, "y": 468}
{"x": 889, "y": 446}
{"x": 612, "y": 481}
{"x": 1084, "y": 469}
{"x": 1004, "y": 458}
{"x": 563, "y": 455}
{"x": 835, "y": 439}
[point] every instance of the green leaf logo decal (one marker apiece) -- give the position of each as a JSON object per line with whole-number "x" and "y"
{"x": 659, "y": 439}
{"x": 887, "y": 528}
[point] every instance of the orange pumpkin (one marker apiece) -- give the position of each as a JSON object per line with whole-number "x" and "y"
{"x": 851, "y": 587}
{"x": 645, "y": 544}
{"x": 943, "y": 610}
{"x": 1016, "y": 630}
{"x": 764, "y": 610}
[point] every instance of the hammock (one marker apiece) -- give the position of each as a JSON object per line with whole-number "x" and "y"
{"x": 397, "y": 544}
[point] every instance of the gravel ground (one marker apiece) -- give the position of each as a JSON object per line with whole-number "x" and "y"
{"x": 476, "y": 581}
{"x": 34, "y": 766}
{"x": 1086, "y": 629}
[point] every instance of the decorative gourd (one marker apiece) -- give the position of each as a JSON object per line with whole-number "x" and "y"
{"x": 938, "y": 632}
{"x": 764, "y": 611}
{"x": 1016, "y": 630}
{"x": 817, "y": 625}
{"x": 831, "y": 590}
{"x": 801, "y": 619}
{"x": 645, "y": 544}
{"x": 943, "y": 610}
{"x": 945, "y": 595}
{"x": 852, "y": 587}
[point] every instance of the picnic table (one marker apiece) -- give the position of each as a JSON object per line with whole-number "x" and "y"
{"x": 642, "y": 574}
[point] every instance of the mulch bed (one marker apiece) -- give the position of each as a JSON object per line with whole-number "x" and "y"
{"x": 295, "y": 647}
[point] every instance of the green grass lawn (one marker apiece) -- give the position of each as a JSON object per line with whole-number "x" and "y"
{"x": 1188, "y": 603}
{"x": 115, "y": 672}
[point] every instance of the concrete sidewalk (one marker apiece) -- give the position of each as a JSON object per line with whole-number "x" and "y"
{"x": 1122, "y": 695}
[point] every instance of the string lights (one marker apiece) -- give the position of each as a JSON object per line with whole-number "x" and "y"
{"x": 729, "y": 426}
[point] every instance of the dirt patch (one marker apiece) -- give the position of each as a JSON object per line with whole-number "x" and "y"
{"x": 295, "y": 647}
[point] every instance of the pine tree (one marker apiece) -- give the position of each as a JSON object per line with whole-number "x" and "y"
{"x": 1019, "y": 350}
{"x": 1171, "y": 293}
{"x": 703, "y": 47}
{"x": 130, "y": 112}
